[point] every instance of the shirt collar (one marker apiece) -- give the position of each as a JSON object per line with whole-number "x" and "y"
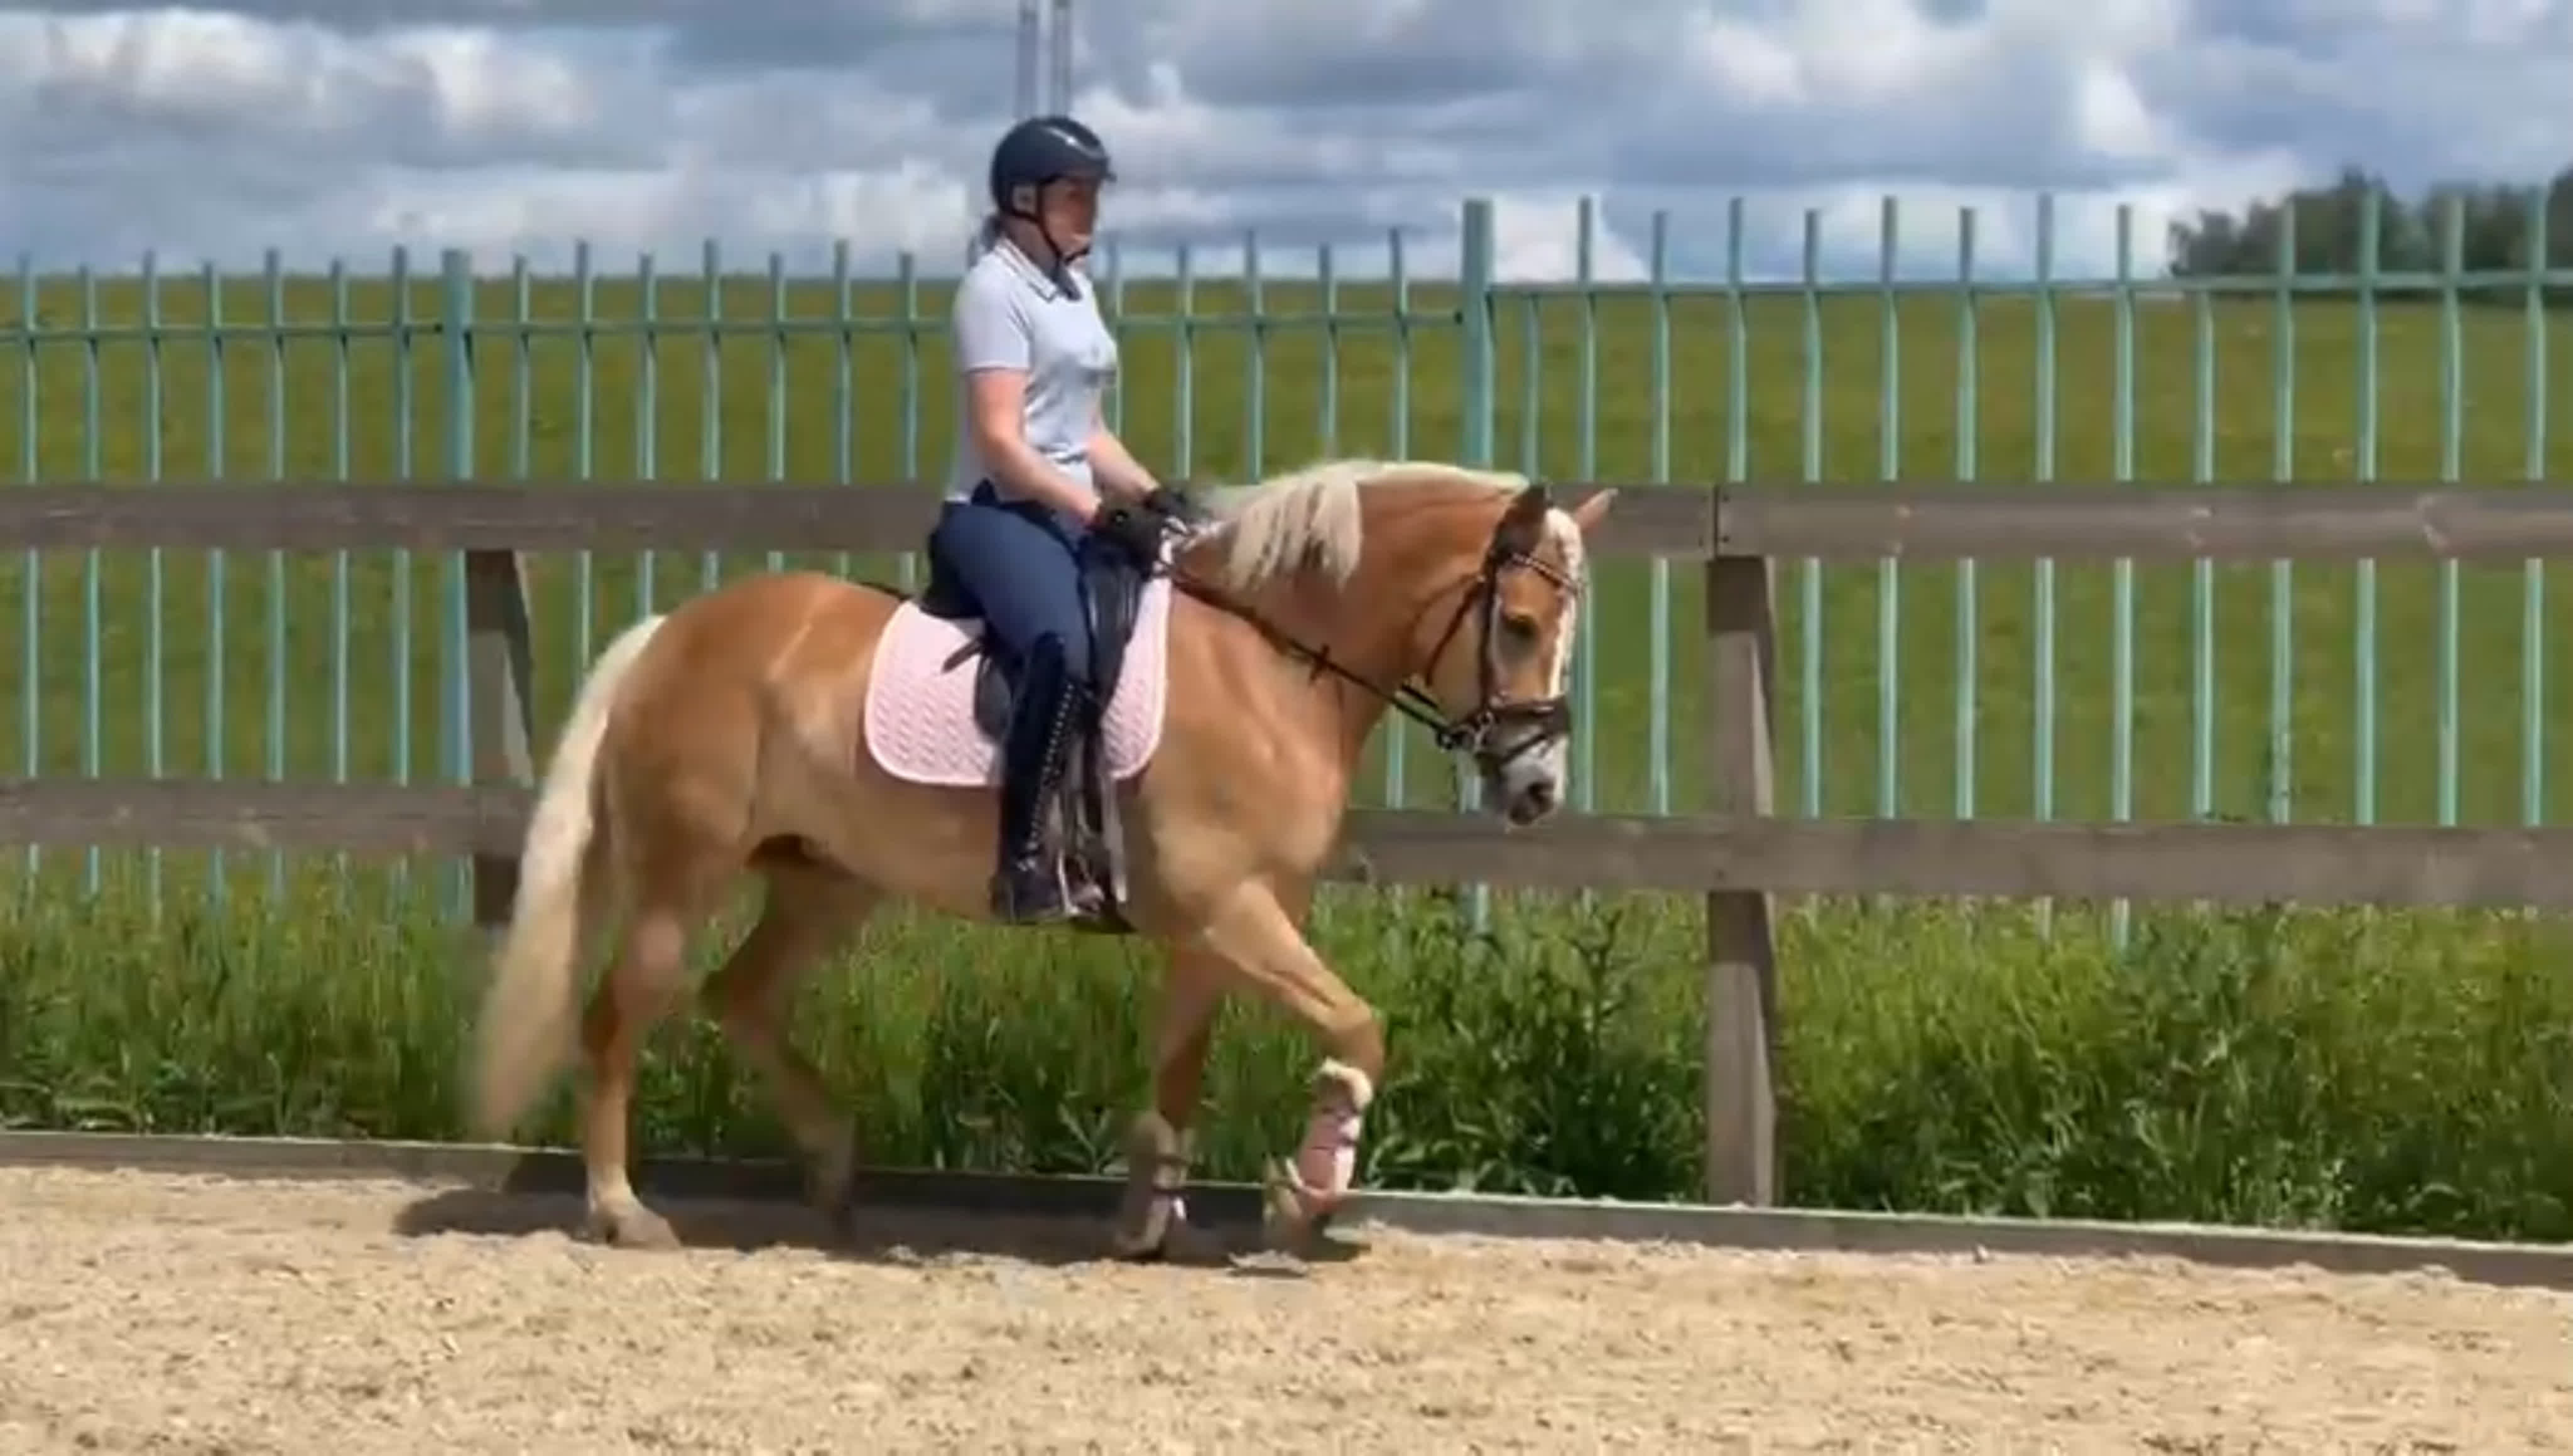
{"x": 1026, "y": 266}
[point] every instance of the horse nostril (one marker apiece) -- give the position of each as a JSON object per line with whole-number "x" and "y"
{"x": 1540, "y": 795}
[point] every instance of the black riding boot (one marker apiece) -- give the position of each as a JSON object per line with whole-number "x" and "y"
{"x": 1027, "y": 884}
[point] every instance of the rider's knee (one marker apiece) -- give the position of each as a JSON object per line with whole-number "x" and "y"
{"x": 1071, "y": 643}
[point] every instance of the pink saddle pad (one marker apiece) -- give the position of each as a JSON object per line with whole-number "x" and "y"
{"x": 920, "y": 698}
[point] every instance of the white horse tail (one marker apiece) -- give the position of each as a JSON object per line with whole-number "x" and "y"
{"x": 533, "y": 1004}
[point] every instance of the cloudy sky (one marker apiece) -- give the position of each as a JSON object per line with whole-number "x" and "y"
{"x": 346, "y": 126}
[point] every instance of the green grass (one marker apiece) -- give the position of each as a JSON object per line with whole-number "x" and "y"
{"x": 2304, "y": 1068}
{"x": 2376, "y": 1072}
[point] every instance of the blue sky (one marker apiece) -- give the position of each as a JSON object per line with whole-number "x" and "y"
{"x": 345, "y": 127}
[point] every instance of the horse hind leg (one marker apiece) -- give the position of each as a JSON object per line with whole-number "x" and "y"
{"x": 645, "y": 985}
{"x": 810, "y": 910}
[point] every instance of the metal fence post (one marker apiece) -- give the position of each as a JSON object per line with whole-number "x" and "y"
{"x": 1475, "y": 393}
{"x": 456, "y": 736}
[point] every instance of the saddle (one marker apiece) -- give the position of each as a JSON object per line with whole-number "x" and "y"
{"x": 1081, "y": 829}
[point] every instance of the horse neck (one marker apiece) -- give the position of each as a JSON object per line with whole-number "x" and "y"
{"x": 1367, "y": 625}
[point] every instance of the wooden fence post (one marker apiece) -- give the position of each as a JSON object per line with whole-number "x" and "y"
{"x": 501, "y": 671}
{"x": 1742, "y": 954}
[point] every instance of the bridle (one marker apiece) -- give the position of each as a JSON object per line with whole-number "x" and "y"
{"x": 1476, "y": 730}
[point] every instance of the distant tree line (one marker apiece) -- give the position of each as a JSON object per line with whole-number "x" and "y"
{"x": 2497, "y": 232}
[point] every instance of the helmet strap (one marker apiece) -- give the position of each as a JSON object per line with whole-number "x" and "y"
{"x": 1058, "y": 264}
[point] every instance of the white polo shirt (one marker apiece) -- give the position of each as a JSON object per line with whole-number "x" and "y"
{"x": 1008, "y": 315}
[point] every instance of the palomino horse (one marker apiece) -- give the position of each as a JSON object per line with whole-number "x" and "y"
{"x": 732, "y": 735}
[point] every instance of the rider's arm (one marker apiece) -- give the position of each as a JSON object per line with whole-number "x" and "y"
{"x": 1115, "y": 467}
{"x": 992, "y": 357}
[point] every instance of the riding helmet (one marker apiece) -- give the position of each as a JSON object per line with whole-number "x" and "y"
{"x": 1043, "y": 149}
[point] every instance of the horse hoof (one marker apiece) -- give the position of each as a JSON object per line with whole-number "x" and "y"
{"x": 1165, "y": 1237}
{"x": 832, "y": 1186}
{"x": 1142, "y": 1235}
{"x": 1291, "y": 1217}
{"x": 634, "y": 1228}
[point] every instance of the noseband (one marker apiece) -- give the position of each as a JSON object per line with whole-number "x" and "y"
{"x": 1476, "y": 731}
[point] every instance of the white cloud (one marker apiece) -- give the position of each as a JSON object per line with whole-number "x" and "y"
{"x": 1537, "y": 236}
{"x": 510, "y": 126}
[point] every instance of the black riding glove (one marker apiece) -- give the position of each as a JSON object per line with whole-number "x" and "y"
{"x": 1134, "y": 529}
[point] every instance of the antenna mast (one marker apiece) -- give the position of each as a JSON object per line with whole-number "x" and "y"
{"x": 1063, "y": 55}
{"x": 1031, "y": 47}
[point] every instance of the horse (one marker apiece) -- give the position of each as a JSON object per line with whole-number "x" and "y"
{"x": 781, "y": 725}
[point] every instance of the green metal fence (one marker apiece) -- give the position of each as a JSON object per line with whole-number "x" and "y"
{"x": 2279, "y": 692}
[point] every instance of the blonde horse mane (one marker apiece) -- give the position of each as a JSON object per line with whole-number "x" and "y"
{"x": 1314, "y": 514}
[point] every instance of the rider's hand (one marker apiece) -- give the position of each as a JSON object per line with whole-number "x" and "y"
{"x": 1134, "y": 528}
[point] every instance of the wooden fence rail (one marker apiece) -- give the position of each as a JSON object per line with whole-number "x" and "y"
{"x": 1737, "y": 854}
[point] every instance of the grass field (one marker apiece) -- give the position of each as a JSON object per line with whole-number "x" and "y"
{"x": 2374, "y": 1072}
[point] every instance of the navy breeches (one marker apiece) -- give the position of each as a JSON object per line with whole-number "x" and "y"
{"x": 1018, "y": 561}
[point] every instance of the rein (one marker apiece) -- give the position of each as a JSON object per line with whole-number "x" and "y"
{"x": 1473, "y": 731}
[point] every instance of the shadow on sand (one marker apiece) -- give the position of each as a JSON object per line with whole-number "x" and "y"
{"x": 904, "y": 1232}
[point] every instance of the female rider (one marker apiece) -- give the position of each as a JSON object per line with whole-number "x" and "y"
{"x": 1035, "y": 471}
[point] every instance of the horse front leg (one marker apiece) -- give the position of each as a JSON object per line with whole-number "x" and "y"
{"x": 1256, "y": 937}
{"x": 1152, "y": 1220}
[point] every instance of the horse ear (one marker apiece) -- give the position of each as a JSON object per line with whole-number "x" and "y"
{"x": 1586, "y": 516}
